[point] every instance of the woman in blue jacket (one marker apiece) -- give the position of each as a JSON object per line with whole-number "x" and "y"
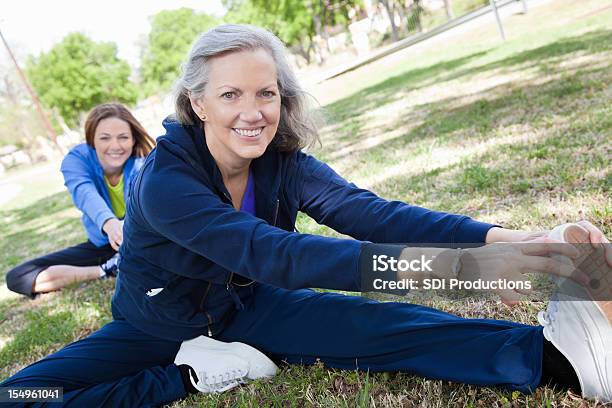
{"x": 97, "y": 174}
{"x": 210, "y": 251}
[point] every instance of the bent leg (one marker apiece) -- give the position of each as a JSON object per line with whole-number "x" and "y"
{"x": 22, "y": 278}
{"x": 351, "y": 332}
{"x": 116, "y": 366}
{"x": 59, "y": 276}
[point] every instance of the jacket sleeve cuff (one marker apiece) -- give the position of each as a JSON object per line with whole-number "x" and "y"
{"x": 102, "y": 217}
{"x": 470, "y": 231}
{"x": 369, "y": 276}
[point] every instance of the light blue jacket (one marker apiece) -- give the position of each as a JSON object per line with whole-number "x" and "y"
{"x": 84, "y": 178}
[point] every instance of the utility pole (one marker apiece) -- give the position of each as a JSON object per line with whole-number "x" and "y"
{"x": 39, "y": 108}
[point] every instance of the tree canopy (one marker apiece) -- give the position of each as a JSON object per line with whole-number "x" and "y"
{"x": 172, "y": 32}
{"x": 295, "y": 22}
{"x": 79, "y": 73}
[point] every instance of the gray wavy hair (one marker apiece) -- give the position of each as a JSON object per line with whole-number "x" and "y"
{"x": 297, "y": 128}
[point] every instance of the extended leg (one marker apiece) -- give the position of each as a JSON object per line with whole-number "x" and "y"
{"x": 116, "y": 366}
{"x": 352, "y": 332}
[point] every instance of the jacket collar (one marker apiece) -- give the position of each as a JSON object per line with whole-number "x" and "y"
{"x": 266, "y": 169}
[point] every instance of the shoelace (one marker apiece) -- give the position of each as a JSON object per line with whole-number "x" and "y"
{"x": 549, "y": 316}
{"x": 223, "y": 379}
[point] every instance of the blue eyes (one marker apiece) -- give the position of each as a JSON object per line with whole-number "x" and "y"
{"x": 227, "y": 95}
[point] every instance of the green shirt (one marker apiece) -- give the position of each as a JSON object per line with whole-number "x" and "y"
{"x": 116, "y": 197}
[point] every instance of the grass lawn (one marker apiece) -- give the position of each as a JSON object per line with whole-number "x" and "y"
{"x": 517, "y": 133}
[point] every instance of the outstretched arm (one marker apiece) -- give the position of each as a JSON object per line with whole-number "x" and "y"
{"x": 79, "y": 181}
{"x": 331, "y": 200}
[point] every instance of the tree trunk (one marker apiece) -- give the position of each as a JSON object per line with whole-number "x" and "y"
{"x": 324, "y": 24}
{"x": 449, "y": 9}
{"x": 14, "y": 102}
{"x": 403, "y": 15}
{"x": 319, "y": 33}
{"x": 394, "y": 33}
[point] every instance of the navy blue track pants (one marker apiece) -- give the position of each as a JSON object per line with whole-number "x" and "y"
{"x": 121, "y": 366}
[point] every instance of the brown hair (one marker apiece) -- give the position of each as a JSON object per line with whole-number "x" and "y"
{"x": 143, "y": 143}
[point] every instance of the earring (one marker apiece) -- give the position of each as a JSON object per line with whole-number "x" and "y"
{"x": 204, "y": 117}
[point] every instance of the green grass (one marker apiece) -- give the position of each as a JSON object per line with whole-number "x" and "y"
{"x": 516, "y": 133}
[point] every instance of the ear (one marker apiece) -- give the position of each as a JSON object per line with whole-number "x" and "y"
{"x": 197, "y": 105}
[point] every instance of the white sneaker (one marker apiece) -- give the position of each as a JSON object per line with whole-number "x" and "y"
{"x": 211, "y": 370}
{"x": 221, "y": 366}
{"x": 579, "y": 329}
{"x": 259, "y": 365}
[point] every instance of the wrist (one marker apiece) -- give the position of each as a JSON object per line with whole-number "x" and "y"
{"x": 106, "y": 224}
{"x": 499, "y": 234}
{"x": 469, "y": 270}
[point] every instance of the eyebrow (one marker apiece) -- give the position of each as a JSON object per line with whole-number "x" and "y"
{"x": 238, "y": 89}
{"x": 109, "y": 134}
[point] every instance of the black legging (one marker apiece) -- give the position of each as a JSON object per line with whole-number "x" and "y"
{"x": 21, "y": 278}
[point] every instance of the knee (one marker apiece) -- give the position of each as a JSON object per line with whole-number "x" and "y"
{"x": 21, "y": 278}
{"x": 13, "y": 279}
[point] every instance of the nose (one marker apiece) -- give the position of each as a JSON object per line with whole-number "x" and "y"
{"x": 250, "y": 111}
{"x": 114, "y": 143}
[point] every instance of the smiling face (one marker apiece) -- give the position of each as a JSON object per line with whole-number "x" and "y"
{"x": 114, "y": 144}
{"x": 242, "y": 106}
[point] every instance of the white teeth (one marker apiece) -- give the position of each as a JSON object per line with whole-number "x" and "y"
{"x": 245, "y": 132}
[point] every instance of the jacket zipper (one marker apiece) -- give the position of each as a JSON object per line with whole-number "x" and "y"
{"x": 275, "y": 212}
{"x": 208, "y": 316}
{"x": 205, "y": 294}
{"x": 210, "y": 333}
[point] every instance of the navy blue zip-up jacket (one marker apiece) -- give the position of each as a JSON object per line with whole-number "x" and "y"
{"x": 188, "y": 257}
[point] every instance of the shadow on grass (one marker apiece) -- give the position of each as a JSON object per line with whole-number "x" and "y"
{"x": 45, "y": 206}
{"x": 447, "y": 121}
{"x": 372, "y": 97}
{"x": 351, "y": 110}
{"x": 443, "y": 118}
{"x": 590, "y": 43}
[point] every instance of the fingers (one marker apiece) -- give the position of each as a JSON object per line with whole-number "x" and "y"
{"x": 597, "y": 238}
{"x": 548, "y": 246}
{"x": 541, "y": 264}
{"x": 119, "y": 240}
{"x": 510, "y": 297}
{"x": 595, "y": 235}
{"x": 116, "y": 238}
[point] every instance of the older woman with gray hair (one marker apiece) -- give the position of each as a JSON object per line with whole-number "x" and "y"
{"x": 215, "y": 279}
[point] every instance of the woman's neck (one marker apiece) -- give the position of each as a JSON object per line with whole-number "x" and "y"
{"x": 113, "y": 176}
{"x": 232, "y": 168}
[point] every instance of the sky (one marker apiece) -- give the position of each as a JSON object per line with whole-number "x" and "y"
{"x": 32, "y": 26}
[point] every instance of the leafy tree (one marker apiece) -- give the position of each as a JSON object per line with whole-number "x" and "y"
{"x": 172, "y": 32}
{"x": 79, "y": 73}
{"x": 295, "y": 22}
